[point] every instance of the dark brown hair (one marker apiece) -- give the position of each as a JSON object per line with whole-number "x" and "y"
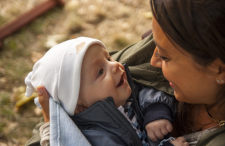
{"x": 197, "y": 26}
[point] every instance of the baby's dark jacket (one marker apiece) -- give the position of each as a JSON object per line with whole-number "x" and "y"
{"x": 103, "y": 124}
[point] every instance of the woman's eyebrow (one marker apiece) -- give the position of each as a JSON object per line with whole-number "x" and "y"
{"x": 159, "y": 46}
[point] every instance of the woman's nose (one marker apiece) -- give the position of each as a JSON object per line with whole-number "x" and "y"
{"x": 155, "y": 60}
{"x": 115, "y": 66}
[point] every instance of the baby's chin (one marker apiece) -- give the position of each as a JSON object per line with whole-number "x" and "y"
{"x": 129, "y": 91}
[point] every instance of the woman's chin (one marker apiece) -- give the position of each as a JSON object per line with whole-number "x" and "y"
{"x": 178, "y": 96}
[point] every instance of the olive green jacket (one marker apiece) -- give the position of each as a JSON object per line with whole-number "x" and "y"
{"x": 214, "y": 138}
{"x": 137, "y": 57}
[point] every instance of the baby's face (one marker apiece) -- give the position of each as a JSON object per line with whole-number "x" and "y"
{"x": 101, "y": 77}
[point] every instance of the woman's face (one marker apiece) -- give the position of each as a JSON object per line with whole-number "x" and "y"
{"x": 190, "y": 81}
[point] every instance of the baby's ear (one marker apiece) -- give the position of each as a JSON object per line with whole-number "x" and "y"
{"x": 79, "y": 108}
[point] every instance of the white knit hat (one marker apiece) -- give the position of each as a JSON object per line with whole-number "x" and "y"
{"x": 59, "y": 71}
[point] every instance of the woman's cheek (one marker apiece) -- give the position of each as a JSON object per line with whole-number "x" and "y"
{"x": 166, "y": 72}
{"x": 171, "y": 76}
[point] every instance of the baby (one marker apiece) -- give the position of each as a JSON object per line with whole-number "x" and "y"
{"x": 80, "y": 72}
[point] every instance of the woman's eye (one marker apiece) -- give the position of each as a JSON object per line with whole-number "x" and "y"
{"x": 100, "y": 72}
{"x": 161, "y": 57}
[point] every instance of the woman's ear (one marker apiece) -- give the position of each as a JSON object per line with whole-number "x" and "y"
{"x": 218, "y": 67}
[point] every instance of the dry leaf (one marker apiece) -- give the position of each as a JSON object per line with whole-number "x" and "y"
{"x": 3, "y": 80}
{"x": 3, "y": 144}
{"x": 148, "y": 15}
{"x": 21, "y": 98}
{"x": 37, "y": 111}
{"x": 35, "y": 56}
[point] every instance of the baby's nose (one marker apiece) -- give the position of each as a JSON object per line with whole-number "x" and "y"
{"x": 115, "y": 67}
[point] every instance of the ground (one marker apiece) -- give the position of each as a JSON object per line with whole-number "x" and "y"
{"x": 117, "y": 23}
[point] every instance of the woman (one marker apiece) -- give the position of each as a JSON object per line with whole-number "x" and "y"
{"x": 190, "y": 48}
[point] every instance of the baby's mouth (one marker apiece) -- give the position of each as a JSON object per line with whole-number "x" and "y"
{"x": 121, "y": 81}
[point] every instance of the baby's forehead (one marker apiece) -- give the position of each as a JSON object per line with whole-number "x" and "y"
{"x": 97, "y": 49}
{"x": 96, "y": 55}
{"x": 96, "y": 45}
{"x": 81, "y": 45}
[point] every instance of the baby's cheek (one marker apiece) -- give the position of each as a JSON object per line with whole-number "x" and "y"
{"x": 129, "y": 91}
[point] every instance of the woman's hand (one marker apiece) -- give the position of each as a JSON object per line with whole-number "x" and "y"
{"x": 43, "y": 98}
{"x": 180, "y": 141}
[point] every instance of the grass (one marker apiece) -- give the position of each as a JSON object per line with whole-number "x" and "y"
{"x": 97, "y": 19}
{"x": 16, "y": 125}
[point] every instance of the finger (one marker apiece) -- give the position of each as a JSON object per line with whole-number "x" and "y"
{"x": 164, "y": 131}
{"x": 169, "y": 127}
{"x": 43, "y": 97}
{"x": 186, "y": 144}
{"x": 158, "y": 134}
{"x": 152, "y": 136}
{"x": 182, "y": 139}
{"x": 46, "y": 117}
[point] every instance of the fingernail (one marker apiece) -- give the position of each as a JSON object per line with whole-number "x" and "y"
{"x": 39, "y": 90}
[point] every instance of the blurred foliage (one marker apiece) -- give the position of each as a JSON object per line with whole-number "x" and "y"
{"x": 116, "y": 23}
{"x": 121, "y": 42}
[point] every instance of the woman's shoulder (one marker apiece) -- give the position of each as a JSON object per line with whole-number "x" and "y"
{"x": 214, "y": 138}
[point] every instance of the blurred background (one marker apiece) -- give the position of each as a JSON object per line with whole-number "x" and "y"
{"x": 117, "y": 23}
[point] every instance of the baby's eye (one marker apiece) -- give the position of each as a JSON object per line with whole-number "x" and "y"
{"x": 100, "y": 72}
{"x": 109, "y": 58}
